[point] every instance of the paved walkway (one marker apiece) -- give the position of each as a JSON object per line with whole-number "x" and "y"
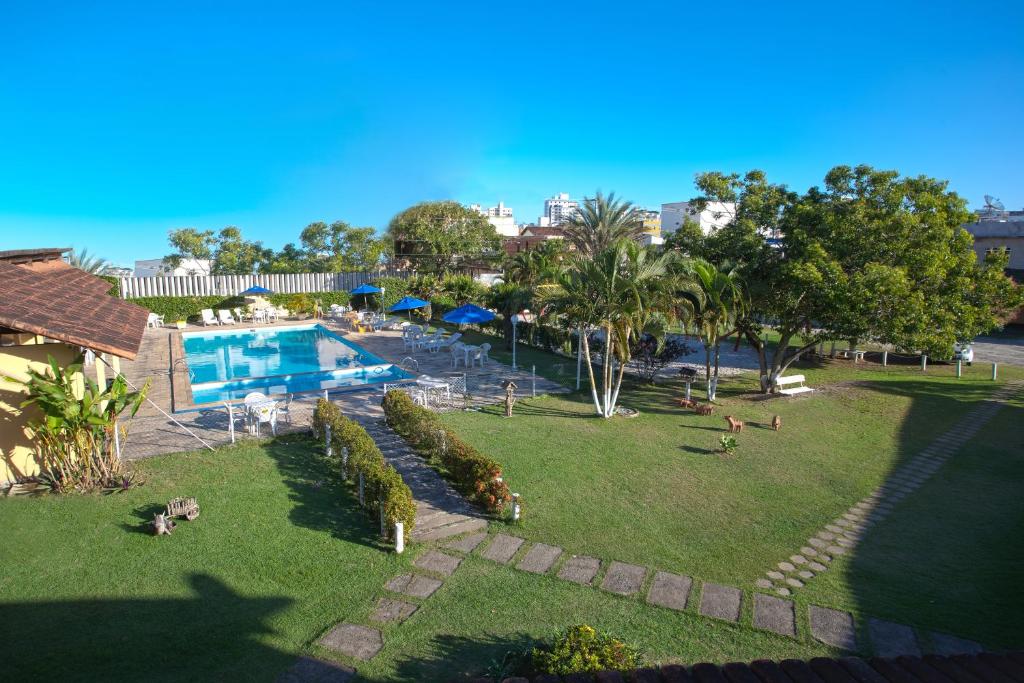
{"x": 842, "y": 535}
{"x": 440, "y": 511}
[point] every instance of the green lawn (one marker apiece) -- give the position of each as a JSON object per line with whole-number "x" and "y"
{"x": 279, "y": 554}
{"x": 653, "y": 489}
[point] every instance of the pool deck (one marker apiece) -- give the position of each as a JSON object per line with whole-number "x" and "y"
{"x": 152, "y": 433}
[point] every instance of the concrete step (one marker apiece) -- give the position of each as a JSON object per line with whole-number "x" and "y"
{"x": 460, "y": 525}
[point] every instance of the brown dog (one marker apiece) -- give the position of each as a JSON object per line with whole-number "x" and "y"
{"x": 777, "y": 422}
{"x": 686, "y": 403}
{"x": 705, "y": 409}
{"x": 734, "y": 424}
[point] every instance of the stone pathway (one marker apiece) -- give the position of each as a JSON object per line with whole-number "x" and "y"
{"x": 678, "y": 592}
{"x": 842, "y": 535}
{"x": 440, "y": 511}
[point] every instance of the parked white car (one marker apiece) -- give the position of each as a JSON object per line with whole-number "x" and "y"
{"x": 963, "y": 352}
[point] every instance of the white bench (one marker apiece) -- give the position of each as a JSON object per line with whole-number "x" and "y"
{"x": 857, "y": 355}
{"x": 792, "y": 379}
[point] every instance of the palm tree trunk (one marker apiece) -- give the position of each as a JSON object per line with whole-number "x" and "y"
{"x": 590, "y": 373}
{"x": 609, "y": 348}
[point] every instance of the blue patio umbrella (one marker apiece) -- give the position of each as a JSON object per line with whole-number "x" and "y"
{"x": 255, "y": 290}
{"x": 365, "y": 290}
{"x": 467, "y": 315}
{"x": 407, "y": 303}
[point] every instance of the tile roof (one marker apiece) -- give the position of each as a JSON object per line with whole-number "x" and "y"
{"x": 69, "y": 305}
{"x": 1007, "y": 667}
{"x": 29, "y": 255}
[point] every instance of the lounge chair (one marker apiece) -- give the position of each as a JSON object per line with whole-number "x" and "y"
{"x": 434, "y": 345}
{"x": 208, "y": 317}
{"x": 225, "y": 317}
{"x": 155, "y": 320}
{"x": 426, "y": 341}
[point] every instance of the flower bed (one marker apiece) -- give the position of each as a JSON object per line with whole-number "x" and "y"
{"x": 383, "y": 486}
{"x": 473, "y": 473}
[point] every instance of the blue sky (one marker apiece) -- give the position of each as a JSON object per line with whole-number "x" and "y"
{"x": 122, "y": 121}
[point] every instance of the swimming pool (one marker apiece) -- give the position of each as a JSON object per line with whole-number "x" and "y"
{"x": 228, "y": 364}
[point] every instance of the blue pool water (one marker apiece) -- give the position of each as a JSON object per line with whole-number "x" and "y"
{"x": 228, "y": 364}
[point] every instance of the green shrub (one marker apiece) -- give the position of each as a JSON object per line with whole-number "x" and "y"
{"x": 186, "y": 307}
{"x": 474, "y": 474}
{"x": 115, "y": 284}
{"x": 727, "y": 444}
{"x": 581, "y": 649}
{"x": 383, "y": 486}
{"x": 394, "y": 289}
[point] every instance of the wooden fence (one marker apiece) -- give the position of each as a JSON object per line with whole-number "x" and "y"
{"x": 230, "y": 285}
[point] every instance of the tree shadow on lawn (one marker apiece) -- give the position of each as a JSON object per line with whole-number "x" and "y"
{"x": 457, "y": 658}
{"x": 212, "y": 635}
{"x": 945, "y": 559}
{"x": 323, "y": 501}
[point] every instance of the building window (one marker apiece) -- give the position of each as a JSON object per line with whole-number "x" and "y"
{"x": 996, "y": 250}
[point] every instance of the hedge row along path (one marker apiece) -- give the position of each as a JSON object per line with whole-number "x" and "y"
{"x": 440, "y": 511}
{"x": 843, "y": 534}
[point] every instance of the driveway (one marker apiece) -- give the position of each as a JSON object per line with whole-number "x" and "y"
{"x": 999, "y": 350}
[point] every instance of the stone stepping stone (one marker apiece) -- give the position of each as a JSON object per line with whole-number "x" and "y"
{"x": 502, "y": 548}
{"x": 358, "y": 642}
{"x": 413, "y": 585}
{"x": 947, "y": 645}
{"x": 836, "y": 550}
{"x": 580, "y": 569}
{"x": 786, "y": 566}
{"x": 817, "y": 542}
{"x": 670, "y": 590}
{"x": 774, "y": 614}
{"x": 795, "y": 583}
{"x": 816, "y": 566}
{"x": 539, "y": 559}
{"x": 764, "y": 583}
{"x": 805, "y": 574}
{"x": 892, "y": 640}
{"x": 624, "y": 579}
{"x": 782, "y": 590}
{"x": 798, "y": 559}
{"x": 778, "y": 576}
{"x": 825, "y": 535}
{"x": 437, "y": 562}
{"x": 390, "y": 610}
{"x": 312, "y": 670}
{"x": 807, "y": 551}
{"x": 720, "y": 602}
{"x": 833, "y": 627}
{"x": 467, "y": 544}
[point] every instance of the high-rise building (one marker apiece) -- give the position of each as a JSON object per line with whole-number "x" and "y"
{"x": 500, "y": 217}
{"x": 558, "y": 209}
{"x": 651, "y": 220}
{"x": 715, "y": 215}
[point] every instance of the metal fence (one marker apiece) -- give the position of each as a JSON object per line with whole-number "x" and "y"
{"x": 230, "y": 285}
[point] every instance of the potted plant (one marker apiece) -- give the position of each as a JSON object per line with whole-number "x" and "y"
{"x": 181, "y": 324}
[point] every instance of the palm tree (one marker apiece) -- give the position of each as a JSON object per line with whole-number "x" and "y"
{"x": 509, "y": 299}
{"x": 536, "y": 266}
{"x": 83, "y": 260}
{"x": 713, "y": 298}
{"x": 601, "y": 222}
{"x": 617, "y": 291}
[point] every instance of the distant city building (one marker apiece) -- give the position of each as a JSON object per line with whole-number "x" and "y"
{"x": 652, "y": 222}
{"x": 117, "y": 271}
{"x": 155, "y": 267}
{"x": 500, "y": 217}
{"x": 546, "y": 231}
{"x": 993, "y": 235}
{"x": 558, "y": 209}
{"x": 714, "y": 216}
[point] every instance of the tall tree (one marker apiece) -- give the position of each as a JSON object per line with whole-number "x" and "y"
{"x": 290, "y": 259}
{"x": 537, "y": 266}
{"x": 713, "y": 298}
{"x": 870, "y": 256}
{"x": 601, "y": 222}
{"x": 191, "y": 245}
{"x": 443, "y": 237}
{"x": 340, "y": 247}
{"x": 508, "y": 299}
{"x": 234, "y": 255}
{"x": 618, "y": 291}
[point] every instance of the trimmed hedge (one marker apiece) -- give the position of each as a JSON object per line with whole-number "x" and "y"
{"x": 473, "y": 473}
{"x": 383, "y": 485}
{"x": 186, "y": 307}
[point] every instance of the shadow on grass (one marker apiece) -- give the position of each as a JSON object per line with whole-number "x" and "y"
{"x": 213, "y": 634}
{"x": 458, "y": 658}
{"x": 323, "y": 501}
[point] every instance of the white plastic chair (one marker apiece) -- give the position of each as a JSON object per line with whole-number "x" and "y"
{"x": 225, "y": 317}
{"x": 458, "y": 351}
{"x": 155, "y": 320}
{"x": 208, "y": 317}
{"x": 484, "y": 353}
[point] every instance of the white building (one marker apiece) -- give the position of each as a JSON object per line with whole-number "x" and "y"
{"x": 558, "y": 209}
{"x": 500, "y": 217}
{"x": 155, "y": 267}
{"x": 714, "y": 216}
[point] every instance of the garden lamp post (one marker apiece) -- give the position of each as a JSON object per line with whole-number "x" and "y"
{"x": 381, "y": 299}
{"x": 515, "y": 321}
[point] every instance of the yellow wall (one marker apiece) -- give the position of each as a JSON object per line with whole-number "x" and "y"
{"x": 17, "y": 456}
